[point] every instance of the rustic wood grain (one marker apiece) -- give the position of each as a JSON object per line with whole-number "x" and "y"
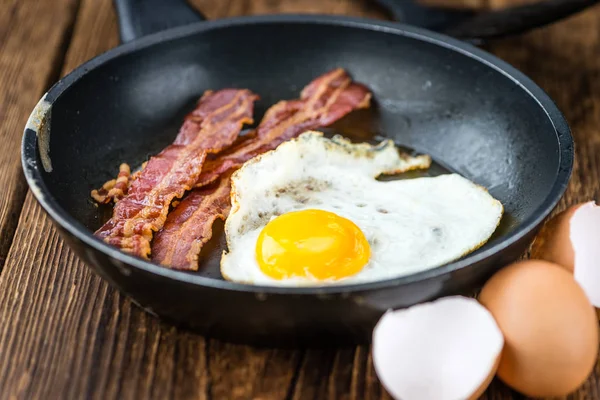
{"x": 65, "y": 334}
{"x": 44, "y": 28}
{"x": 221, "y": 9}
{"x": 476, "y": 4}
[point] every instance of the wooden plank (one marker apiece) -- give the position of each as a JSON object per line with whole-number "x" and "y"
{"x": 43, "y": 27}
{"x": 475, "y": 4}
{"x": 221, "y": 9}
{"x": 85, "y": 340}
{"x": 496, "y": 4}
{"x": 46, "y": 349}
{"x": 66, "y": 334}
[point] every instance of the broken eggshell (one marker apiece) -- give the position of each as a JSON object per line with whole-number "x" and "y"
{"x": 572, "y": 240}
{"x": 448, "y": 349}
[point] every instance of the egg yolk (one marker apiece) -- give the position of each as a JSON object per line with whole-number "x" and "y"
{"x": 312, "y": 244}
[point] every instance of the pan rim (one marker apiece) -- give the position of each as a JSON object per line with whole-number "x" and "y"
{"x": 72, "y": 226}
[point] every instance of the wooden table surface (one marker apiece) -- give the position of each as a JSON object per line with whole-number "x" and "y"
{"x": 64, "y": 333}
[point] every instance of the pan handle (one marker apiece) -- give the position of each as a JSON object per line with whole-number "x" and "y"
{"x": 138, "y": 18}
{"x": 478, "y": 27}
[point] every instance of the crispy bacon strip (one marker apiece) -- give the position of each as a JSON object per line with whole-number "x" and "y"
{"x": 192, "y": 219}
{"x": 324, "y": 101}
{"x": 115, "y": 189}
{"x": 212, "y": 126}
{"x": 137, "y": 173}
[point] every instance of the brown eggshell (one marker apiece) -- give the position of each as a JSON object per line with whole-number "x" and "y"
{"x": 553, "y": 242}
{"x": 550, "y": 328}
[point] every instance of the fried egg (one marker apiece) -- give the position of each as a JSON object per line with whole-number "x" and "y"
{"x": 312, "y": 212}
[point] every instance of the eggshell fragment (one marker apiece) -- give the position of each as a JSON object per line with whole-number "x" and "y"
{"x": 446, "y": 350}
{"x": 585, "y": 236}
{"x": 549, "y": 326}
{"x": 572, "y": 239}
{"x": 553, "y": 242}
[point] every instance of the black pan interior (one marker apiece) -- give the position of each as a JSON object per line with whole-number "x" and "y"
{"x": 469, "y": 117}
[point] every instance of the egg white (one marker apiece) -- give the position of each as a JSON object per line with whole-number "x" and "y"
{"x": 411, "y": 225}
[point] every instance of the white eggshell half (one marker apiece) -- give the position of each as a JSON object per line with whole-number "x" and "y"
{"x": 445, "y": 350}
{"x": 585, "y": 239}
